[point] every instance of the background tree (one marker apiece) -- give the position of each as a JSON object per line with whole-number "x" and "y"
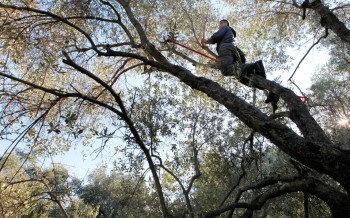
{"x": 16, "y": 199}
{"x": 116, "y": 195}
{"x": 330, "y": 92}
{"x": 29, "y": 190}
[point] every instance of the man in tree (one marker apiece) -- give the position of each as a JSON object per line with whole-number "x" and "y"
{"x": 230, "y": 60}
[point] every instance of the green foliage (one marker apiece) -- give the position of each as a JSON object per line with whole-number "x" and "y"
{"x": 13, "y": 201}
{"x": 116, "y": 195}
{"x": 200, "y": 151}
{"x": 30, "y": 191}
{"x": 330, "y": 94}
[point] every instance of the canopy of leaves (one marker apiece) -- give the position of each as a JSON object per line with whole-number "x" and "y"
{"x": 187, "y": 142}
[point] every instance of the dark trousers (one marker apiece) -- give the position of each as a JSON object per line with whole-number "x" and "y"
{"x": 230, "y": 64}
{"x": 228, "y": 57}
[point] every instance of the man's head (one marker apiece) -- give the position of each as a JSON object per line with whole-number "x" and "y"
{"x": 224, "y": 23}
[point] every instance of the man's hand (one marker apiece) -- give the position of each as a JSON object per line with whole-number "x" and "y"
{"x": 204, "y": 43}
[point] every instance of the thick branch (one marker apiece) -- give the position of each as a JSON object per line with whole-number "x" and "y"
{"x": 71, "y": 63}
{"x": 309, "y": 150}
{"x": 329, "y": 19}
{"x": 149, "y": 47}
{"x": 103, "y": 46}
{"x": 339, "y": 202}
{"x": 299, "y": 113}
{"x": 185, "y": 57}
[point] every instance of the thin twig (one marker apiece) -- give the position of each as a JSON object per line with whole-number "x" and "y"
{"x": 324, "y": 36}
{"x": 346, "y": 6}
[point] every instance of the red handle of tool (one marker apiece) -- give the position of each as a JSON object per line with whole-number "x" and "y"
{"x": 191, "y": 49}
{"x": 304, "y": 99}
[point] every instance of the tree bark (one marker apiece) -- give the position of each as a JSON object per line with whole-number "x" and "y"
{"x": 329, "y": 20}
{"x": 306, "y": 204}
{"x": 313, "y": 149}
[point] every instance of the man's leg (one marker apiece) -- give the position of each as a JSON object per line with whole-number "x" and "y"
{"x": 228, "y": 64}
{"x": 253, "y": 68}
{"x": 228, "y": 67}
{"x": 241, "y": 55}
{"x": 258, "y": 68}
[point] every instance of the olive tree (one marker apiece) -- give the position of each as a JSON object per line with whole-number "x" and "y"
{"x": 62, "y": 63}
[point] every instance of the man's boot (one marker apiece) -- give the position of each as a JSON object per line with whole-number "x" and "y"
{"x": 273, "y": 99}
{"x": 247, "y": 70}
{"x": 259, "y": 68}
{"x": 253, "y": 68}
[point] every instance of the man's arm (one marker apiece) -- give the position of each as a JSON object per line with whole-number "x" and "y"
{"x": 216, "y": 37}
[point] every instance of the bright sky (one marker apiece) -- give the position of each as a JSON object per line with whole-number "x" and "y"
{"x": 81, "y": 161}
{"x": 308, "y": 67}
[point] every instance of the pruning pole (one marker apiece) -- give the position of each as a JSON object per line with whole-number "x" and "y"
{"x": 195, "y": 51}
